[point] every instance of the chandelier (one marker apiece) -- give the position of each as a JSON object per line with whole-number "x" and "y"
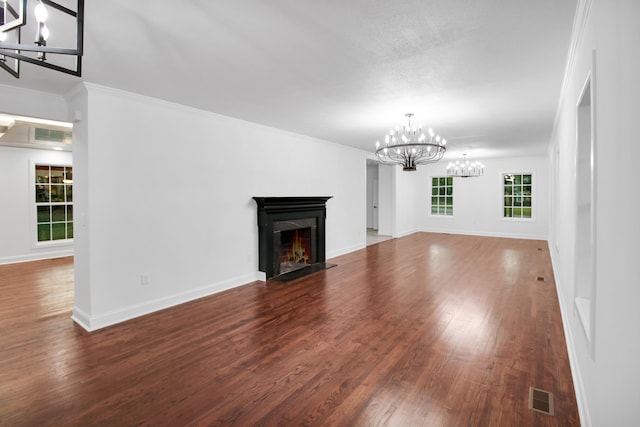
{"x": 13, "y": 19}
{"x": 409, "y": 146}
{"x": 465, "y": 169}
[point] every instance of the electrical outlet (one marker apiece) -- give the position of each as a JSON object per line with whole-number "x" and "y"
{"x": 144, "y": 279}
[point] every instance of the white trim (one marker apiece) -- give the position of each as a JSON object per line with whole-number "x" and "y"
{"x": 578, "y": 383}
{"x": 203, "y": 113}
{"x": 346, "y": 250}
{"x": 485, "y": 233}
{"x": 577, "y": 32}
{"x": 37, "y": 256}
{"x": 94, "y": 322}
{"x": 33, "y": 209}
{"x": 534, "y": 197}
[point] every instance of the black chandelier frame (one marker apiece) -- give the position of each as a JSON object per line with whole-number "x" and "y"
{"x": 12, "y": 50}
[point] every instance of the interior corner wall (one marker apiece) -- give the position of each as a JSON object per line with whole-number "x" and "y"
{"x": 169, "y": 197}
{"x": 477, "y": 202}
{"x": 607, "y": 375}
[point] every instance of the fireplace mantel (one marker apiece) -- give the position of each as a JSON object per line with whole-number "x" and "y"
{"x": 273, "y": 212}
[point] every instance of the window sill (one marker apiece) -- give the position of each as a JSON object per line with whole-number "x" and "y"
{"x": 54, "y": 243}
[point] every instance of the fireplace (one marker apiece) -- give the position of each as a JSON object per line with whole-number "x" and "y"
{"x": 291, "y": 236}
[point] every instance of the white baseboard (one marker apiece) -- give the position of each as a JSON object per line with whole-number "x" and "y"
{"x": 94, "y": 322}
{"x": 348, "y": 249}
{"x": 578, "y": 383}
{"x": 37, "y": 256}
{"x": 486, "y": 234}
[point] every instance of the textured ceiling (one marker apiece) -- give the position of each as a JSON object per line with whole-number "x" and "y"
{"x": 486, "y": 74}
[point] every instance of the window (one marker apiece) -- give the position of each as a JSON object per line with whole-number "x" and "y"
{"x": 442, "y": 195}
{"x": 517, "y": 195}
{"x": 54, "y": 203}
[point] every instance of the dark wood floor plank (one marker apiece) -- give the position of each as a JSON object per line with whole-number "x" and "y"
{"x": 430, "y": 329}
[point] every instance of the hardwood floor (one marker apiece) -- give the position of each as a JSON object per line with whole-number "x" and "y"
{"x": 429, "y": 329}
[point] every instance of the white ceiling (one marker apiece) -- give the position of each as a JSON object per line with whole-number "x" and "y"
{"x": 486, "y": 74}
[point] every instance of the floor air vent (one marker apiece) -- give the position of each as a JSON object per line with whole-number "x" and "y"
{"x": 540, "y": 401}
{"x": 540, "y": 279}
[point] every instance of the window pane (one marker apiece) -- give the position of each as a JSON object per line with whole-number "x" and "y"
{"x": 508, "y": 201}
{"x": 449, "y": 191}
{"x": 508, "y": 179}
{"x": 442, "y": 210}
{"x": 526, "y": 189}
{"x": 434, "y": 181}
{"x": 508, "y": 190}
{"x": 442, "y": 201}
{"x": 69, "y": 193}
{"x": 434, "y": 191}
{"x": 517, "y": 179}
{"x": 42, "y": 193}
{"x": 44, "y": 233}
{"x": 526, "y": 179}
{"x": 57, "y": 193}
{"x": 443, "y": 180}
{"x": 42, "y": 174}
{"x": 527, "y": 201}
{"x": 68, "y": 175}
{"x": 517, "y": 190}
{"x": 517, "y": 212}
{"x": 526, "y": 212}
{"x": 69, "y": 212}
{"x": 69, "y": 230}
{"x": 443, "y": 191}
{"x": 434, "y": 210}
{"x": 57, "y": 174}
{"x": 44, "y": 214}
{"x": 58, "y": 213}
{"x": 449, "y": 210}
{"x": 58, "y": 231}
{"x": 449, "y": 180}
{"x": 434, "y": 201}
{"x": 508, "y": 213}
{"x": 449, "y": 201}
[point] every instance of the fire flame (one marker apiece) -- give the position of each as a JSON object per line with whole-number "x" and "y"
{"x": 297, "y": 255}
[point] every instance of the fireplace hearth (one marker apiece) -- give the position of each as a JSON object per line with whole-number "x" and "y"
{"x": 291, "y": 236}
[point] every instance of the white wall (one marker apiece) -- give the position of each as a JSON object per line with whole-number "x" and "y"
{"x": 477, "y": 202}
{"x": 386, "y": 200}
{"x": 407, "y": 185}
{"x": 16, "y": 241}
{"x": 606, "y": 369}
{"x": 372, "y": 179}
{"x": 169, "y": 194}
{"x": 17, "y": 216}
{"x": 25, "y": 102}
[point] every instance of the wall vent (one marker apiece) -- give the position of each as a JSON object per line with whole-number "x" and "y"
{"x": 540, "y": 279}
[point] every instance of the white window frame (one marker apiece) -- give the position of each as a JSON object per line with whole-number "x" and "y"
{"x": 439, "y": 215}
{"x": 33, "y": 223}
{"x": 533, "y": 196}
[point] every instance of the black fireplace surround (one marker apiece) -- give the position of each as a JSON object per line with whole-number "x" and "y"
{"x": 277, "y": 214}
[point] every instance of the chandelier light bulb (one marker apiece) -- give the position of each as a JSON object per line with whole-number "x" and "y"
{"x": 40, "y": 12}
{"x": 465, "y": 168}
